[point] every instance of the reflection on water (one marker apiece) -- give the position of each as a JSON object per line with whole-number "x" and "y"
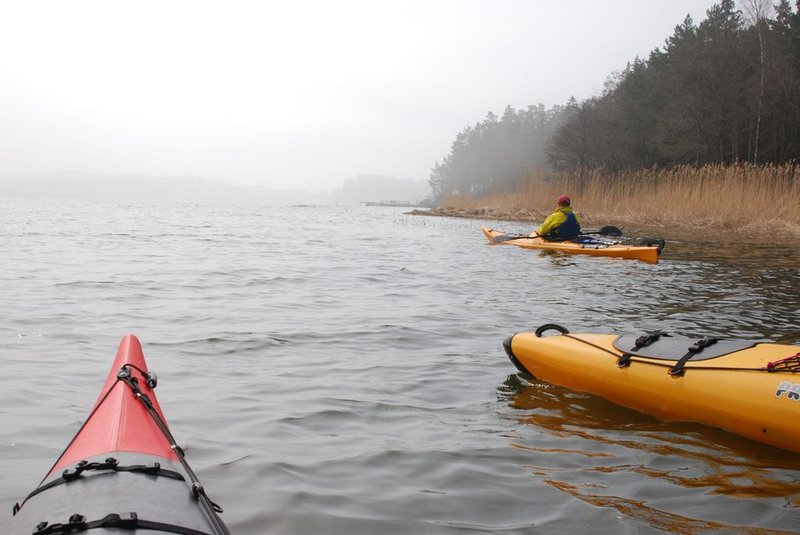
{"x": 745, "y": 287}
{"x": 748, "y": 251}
{"x": 655, "y": 518}
{"x": 670, "y": 454}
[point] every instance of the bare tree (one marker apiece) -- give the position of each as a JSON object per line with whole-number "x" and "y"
{"x": 757, "y": 13}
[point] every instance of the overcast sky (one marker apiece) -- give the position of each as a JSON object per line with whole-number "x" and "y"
{"x": 296, "y": 93}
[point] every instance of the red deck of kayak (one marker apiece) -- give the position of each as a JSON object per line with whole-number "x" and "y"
{"x": 119, "y": 421}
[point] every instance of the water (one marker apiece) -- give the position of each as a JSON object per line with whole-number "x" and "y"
{"x": 340, "y": 370}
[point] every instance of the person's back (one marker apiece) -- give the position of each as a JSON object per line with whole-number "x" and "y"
{"x": 563, "y": 224}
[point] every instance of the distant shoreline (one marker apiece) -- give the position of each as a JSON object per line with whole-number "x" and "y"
{"x": 754, "y": 202}
{"x": 534, "y": 217}
{"x": 634, "y": 226}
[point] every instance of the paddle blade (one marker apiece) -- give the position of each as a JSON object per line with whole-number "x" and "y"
{"x": 506, "y": 237}
{"x": 610, "y": 230}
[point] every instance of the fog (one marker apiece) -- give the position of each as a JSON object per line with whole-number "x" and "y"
{"x": 296, "y": 95}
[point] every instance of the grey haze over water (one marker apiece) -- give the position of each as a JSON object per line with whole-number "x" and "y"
{"x": 361, "y": 188}
{"x": 294, "y": 94}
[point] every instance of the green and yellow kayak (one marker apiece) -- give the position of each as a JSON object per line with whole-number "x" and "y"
{"x": 648, "y": 251}
{"x": 748, "y": 388}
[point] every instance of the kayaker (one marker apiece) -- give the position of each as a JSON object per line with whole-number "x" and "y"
{"x": 563, "y": 224}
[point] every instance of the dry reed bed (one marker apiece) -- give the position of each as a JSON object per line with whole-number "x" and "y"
{"x": 739, "y": 198}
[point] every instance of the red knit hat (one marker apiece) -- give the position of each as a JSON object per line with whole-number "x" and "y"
{"x": 563, "y": 199}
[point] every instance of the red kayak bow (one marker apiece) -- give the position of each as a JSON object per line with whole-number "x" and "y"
{"x": 123, "y": 469}
{"x": 119, "y": 421}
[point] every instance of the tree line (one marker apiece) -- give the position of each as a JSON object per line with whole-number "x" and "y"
{"x": 724, "y": 91}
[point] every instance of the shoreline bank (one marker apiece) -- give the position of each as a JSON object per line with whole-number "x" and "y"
{"x": 631, "y": 224}
{"x": 757, "y": 202}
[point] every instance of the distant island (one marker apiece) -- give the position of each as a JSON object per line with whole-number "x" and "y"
{"x": 405, "y": 204}
{"x": 359, "y": 189}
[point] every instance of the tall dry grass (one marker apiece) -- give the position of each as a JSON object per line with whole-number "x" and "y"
{"x": 737, "y": 197}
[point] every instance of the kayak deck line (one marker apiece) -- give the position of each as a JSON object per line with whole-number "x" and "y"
{"x": 788, "y": 364}
{"x": 115, "y": 521}
{"x": 198, "y": 491}
{"x": 110, "y": 464}
{"x": 101, "y": 483}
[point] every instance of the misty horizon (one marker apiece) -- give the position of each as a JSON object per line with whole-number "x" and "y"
{"x": 359, "y": 189}
{"x": 293, "y": 96}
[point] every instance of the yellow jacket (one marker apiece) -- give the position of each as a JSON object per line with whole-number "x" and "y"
{"x": 555, "y": 219}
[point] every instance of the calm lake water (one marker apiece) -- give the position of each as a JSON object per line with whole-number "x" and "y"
{"x": 339, "y": 370}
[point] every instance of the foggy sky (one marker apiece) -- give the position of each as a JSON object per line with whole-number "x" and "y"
{"x": 294, "y": 94}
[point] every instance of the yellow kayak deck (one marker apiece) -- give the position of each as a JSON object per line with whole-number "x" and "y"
{"x": 753, "y": 391}
{"x": 647, "y": 253}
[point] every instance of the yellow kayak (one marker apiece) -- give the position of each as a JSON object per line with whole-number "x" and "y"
{"x": 649, "y": 251}
{"x": 748, "y": 388}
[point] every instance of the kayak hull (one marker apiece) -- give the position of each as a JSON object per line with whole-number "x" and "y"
{"x": 734, "y": 391}
{"x": 154, "y": 498}
{"x": 122, "y": 470}
{"x": 119, "y": 422}
{"x": 646, "y": 253}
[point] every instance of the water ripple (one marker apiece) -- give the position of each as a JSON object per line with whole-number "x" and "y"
{"x": 340, "y": 369}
